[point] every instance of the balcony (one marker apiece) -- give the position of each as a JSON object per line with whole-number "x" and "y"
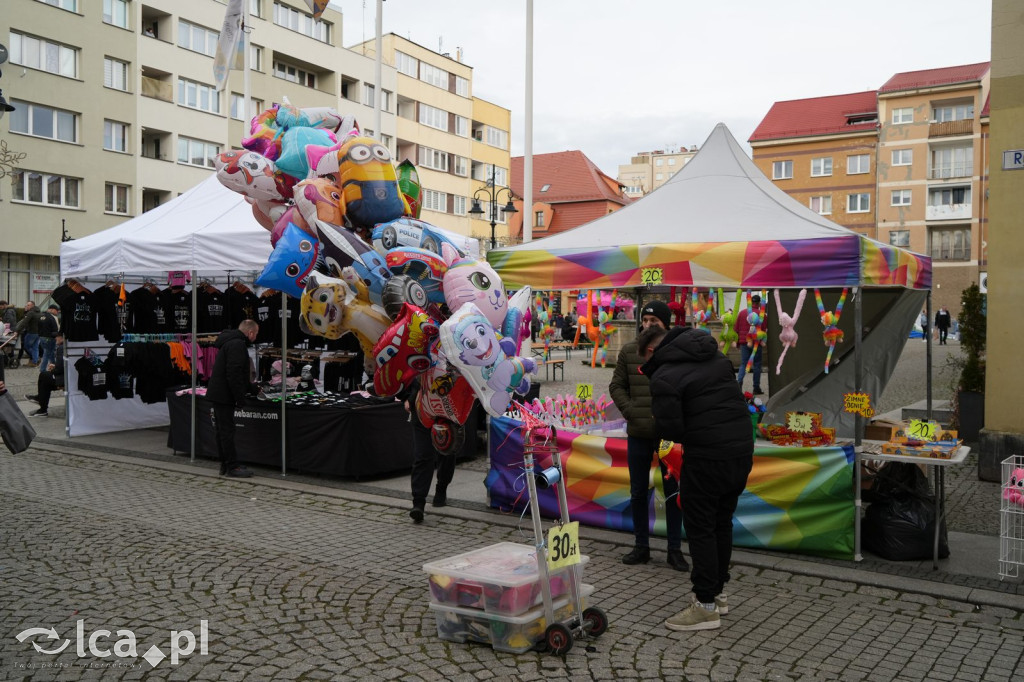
{"x": 948, "y": 212}
{"x": 950, "y": 128}
{"x": 948, "y": 172}
{"x": 157, "y": 89}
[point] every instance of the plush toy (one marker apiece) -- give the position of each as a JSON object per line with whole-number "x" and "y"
{"x": 403, "y": 352}
{"x": 1013, "y": 490}
{"x": 756, "y": 334}
{"x": 469, "y": 280}
{"x": 471, "y": 344}
{"x": 832, "y": 334}
{"x": 291, "y": 262}
{"x": 728, "y": 337}
{"x": 788, "y": 335}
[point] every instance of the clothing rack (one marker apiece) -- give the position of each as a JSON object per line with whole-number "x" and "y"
{"x": 157, "y": 338}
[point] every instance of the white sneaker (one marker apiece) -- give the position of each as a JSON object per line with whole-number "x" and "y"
{"x": 722, "y": 602}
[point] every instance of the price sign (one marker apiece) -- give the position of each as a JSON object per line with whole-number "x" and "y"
{"x": 651, "y": 276}
{"x": 922, "y": 430}
{"x": 858, "y": 403}
{"x": 564, "y": 545}
{"x": 800, "y": 422}
{"x": 584, "y": 391}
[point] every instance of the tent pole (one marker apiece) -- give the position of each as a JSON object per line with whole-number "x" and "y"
{"x": 858, "y": 424}
{"x": 195, "y": 323}
{"x": 284, "y": 377}
{"x": 928, "y": 354}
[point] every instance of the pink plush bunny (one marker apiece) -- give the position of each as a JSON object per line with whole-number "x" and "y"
{"x": 788, "y": 334}
{"x": 1014, "y": 489}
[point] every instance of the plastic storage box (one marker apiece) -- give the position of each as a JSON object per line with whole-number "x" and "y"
{"x": 501, "y": 579}
{"x": 515, "y": 634}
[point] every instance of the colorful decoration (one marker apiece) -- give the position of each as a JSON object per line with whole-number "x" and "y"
{"x": 788, "y": 335}
{"x": 703, "y": 309}
{"x": 1013, "y": 489}
{"x": 291, "y": 262}
{"x": 444, "y": 402}
{"x": 403, "y": 352}
{"x": 469, "y": 280}
{"x": 409, "y": 186}
{"x": 368, "y": 182}
{"x": 758, "y": 320}
{"x": 832, "y": 334}
{"x": 728, "y": 337}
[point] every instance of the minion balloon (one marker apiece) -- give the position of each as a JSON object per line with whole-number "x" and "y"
{"x": 368, "y": 183}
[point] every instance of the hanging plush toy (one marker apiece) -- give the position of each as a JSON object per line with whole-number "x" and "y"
{"x": 1014, "y": 488}
{"x": 756, "y": 333}
{"x": 788, "y": 335}
{"x": 832, "y": 334}
{"x": 728, "y": 336}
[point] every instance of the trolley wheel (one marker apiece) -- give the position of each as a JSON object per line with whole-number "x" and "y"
{"x": 558, "y": 638}
{"x": 595, "y": 622}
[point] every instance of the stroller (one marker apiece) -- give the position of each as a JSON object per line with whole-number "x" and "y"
{"x": 7, "y": 347}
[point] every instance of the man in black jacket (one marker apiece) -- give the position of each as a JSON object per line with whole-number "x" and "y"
{"x": 697, "y": 402}
{"x": 49, "y": 327}
{"x": 230, "y": 382}
{"x": 50, "y": 378}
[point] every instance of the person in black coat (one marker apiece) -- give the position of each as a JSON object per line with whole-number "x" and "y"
{"x": 50, "y": 379}
{"x": 943, "y": 321}
{"x": 696, "y": 402}
{"x": 426, "y": 459}
{"x": 230, "y": 382}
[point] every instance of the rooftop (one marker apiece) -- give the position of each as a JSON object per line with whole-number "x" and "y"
{"x": 819, "y": 116}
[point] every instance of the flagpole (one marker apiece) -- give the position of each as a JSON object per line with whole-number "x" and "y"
{"x": 377, "y": 91}
{"x": 528, "y": 131}
{"x": 246, "y": 79}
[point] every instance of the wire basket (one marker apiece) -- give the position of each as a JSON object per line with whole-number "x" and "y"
{"x": 1011, "y": 518}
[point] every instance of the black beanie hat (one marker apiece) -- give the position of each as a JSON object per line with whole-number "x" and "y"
{"x": 660, "y": 310}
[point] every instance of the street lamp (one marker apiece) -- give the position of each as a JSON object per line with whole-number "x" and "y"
{"x": 493, "y": 194}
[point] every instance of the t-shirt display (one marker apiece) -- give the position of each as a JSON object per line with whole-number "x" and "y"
{"x": 241, "y": 304}
{"x": 177, "y": 306}
{"x": 146, "y": 313}
{"x": 92, "y": 377}
{"x": 78, "y": 317}
{"x": 213, "y": 312}
{"x": 111, "y": 315}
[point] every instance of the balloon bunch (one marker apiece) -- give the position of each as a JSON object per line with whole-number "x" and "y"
{"x": 347, "y": 242}
{"x": 728, "y": 336}
{"x": 756, "y": 334}
{"x": 832, "y": 334}
{"x": 788, "y": 335}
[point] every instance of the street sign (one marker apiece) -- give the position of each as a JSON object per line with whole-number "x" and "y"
{"x": 1013, "y": 159}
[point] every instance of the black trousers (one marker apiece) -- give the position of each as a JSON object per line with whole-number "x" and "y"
{"x": 709, "y": 490}
{"x": 45, "y": 385}
{"x": 224, "y": 425}
{"x": 425, "y": 460}
{"x": 943, "y": 332}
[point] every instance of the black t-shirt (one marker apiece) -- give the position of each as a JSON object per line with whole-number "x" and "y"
{"x": 295, "y": 335}
{"x": 92, "y": 378}
{"x": 110, "y": 316}
{"x": 177, "y": 305}
{"x": 78, "y": 316}
{"x": 264, "y": 308}
{"x": 241, "y": 306}
{"x": 146, "y": 316}
{"x": 119, "y": 376}
{"x": 213, "y": 312}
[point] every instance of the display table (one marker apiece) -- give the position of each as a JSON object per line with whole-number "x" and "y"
{"x": 362, "y": 441}
{"x": 939, "y": 483}
{"x": 796, "y": 499}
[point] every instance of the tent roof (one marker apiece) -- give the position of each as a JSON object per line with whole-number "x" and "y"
{"x": 718, "y": 222}
{"x": 208, "y": 228}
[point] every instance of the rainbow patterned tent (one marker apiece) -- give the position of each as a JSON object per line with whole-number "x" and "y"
{"x": 719, "y": 222}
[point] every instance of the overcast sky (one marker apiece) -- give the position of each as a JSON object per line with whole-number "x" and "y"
{"x": 616, "y": 78}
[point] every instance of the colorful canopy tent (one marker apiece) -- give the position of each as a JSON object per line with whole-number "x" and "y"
{"x": 720, "y": 223}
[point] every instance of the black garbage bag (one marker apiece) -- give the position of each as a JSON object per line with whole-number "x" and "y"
{"x": 899, "y": 524}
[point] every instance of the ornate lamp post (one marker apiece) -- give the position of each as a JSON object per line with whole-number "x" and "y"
{"x": 492, "y": 194}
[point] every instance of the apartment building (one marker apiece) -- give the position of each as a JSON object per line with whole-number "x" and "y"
{"x": 647, "y": 171}
{"x": 456, "y": 139}
{"x": 904, "y": 164}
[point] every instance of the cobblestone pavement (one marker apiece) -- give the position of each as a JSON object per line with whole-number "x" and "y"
{"x": 297, "y": 582}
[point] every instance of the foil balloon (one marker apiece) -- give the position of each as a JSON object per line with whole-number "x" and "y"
{"x": 426, "y": 269}
{"x": 409, "y": 186}
{"x": 291, "y": 262}
{"x": 489, "y": 364}
{"x": 367, "y": 179}
{"x": 403, "y": 352}
{"x": 255, "y": 177}
{"x": 342, "y": 249}
{"x": 413, "y": 233}
{"x": 283, "y": 132}
{"x": 319, "y": 199}
{"x": 516, "y": 326}
{"x": 444, "y": 402}
{"x": 469, "y": 280}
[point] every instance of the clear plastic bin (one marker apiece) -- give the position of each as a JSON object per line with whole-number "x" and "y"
{"x": 515, "y": 634}
{"x": 500, "y": 579}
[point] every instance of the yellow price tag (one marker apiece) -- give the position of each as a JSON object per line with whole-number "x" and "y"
{"x": 564, "y": 545}
{"x": 922, "y": 430}
{"x": 800, "y": 422}
{"x": 651, "y": 276}
{"x": 858, "y": 403}
{"x": 584, "y": 391}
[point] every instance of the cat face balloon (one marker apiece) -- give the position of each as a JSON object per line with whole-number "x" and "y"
{"x": 469, "y": 280}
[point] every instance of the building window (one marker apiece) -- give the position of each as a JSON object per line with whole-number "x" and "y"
{"x": 900, "y": 238}
{"x": 434, "y": 158}
{"x": 822, "y": 205}
{"x": 115, "y": 136}
{"x": 951, "y": 243}
{"x": 115, "y": 74}
{"x": 433, "y": 75}
{"x": 254, "y": 8}
{"x": 40, "y": 121}
{"x": 238, "y": 111}
{"x": 821, "y": 167}
{"x": 858, "y": 163}
{"x": 461, "y": 166}
{"x": 672, "y": 161}
{"x": 858, "y": 203}
{"x": 295, "y": 20}
{"x": 435, "y": 201}
{"x": 368, "y": 94}
{"x": 497, "y": 137}
{"x": 956, "y": 112}
{"x": 406, "y": 64}
{"x": 197, "y": 39}
{"x": 500, "y": 176}
{"x": 115, "y": 12}
{"x": 659, "y": 162}
{"x": 433, "y": 117}
{"x": 461, "y": 126}
{"x": 903, "y": 115}
{"x": 386, "y": 140}
{"x": 950, "y": 198}
{"x": 46, "y": 189}
{"x": 294, "y": 74}
{"x": 45, "y": 55}
{"x": 198, "y": 96}
{"x": 69, "y": 5}
{"x": 900, "y": 197}
{"x": 952, "y": 162}
{"x": 461, "y": 86}
{"x": 659, "y": 176}
{"x": 459, "y": 205}
{"x": 196, "y": 152}
{"x": 116, "y": 198}
{"x": 782, "y": 170}
{"x": 902, "y": 157}
{"x": 538, "y": 218}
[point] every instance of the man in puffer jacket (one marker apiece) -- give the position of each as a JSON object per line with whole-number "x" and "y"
{"x": 230, "y": 382}
{"x": 629, "y": 389}
{"x": 696, "y": 402}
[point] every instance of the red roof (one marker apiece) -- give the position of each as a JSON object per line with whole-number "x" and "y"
{"x": 910, "y": 80}
{"x": 570, "y": 176}
{"x": 984, "y": 109}
{"x": 818, "y": 116}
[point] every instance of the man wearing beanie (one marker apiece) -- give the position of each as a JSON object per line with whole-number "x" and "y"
{"x": 632, "y": 395}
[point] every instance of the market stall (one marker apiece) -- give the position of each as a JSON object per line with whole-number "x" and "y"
{"x": 719, "y": 223}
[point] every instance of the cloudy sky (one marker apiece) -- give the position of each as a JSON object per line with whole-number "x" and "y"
{"x": 615, "y": 78}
